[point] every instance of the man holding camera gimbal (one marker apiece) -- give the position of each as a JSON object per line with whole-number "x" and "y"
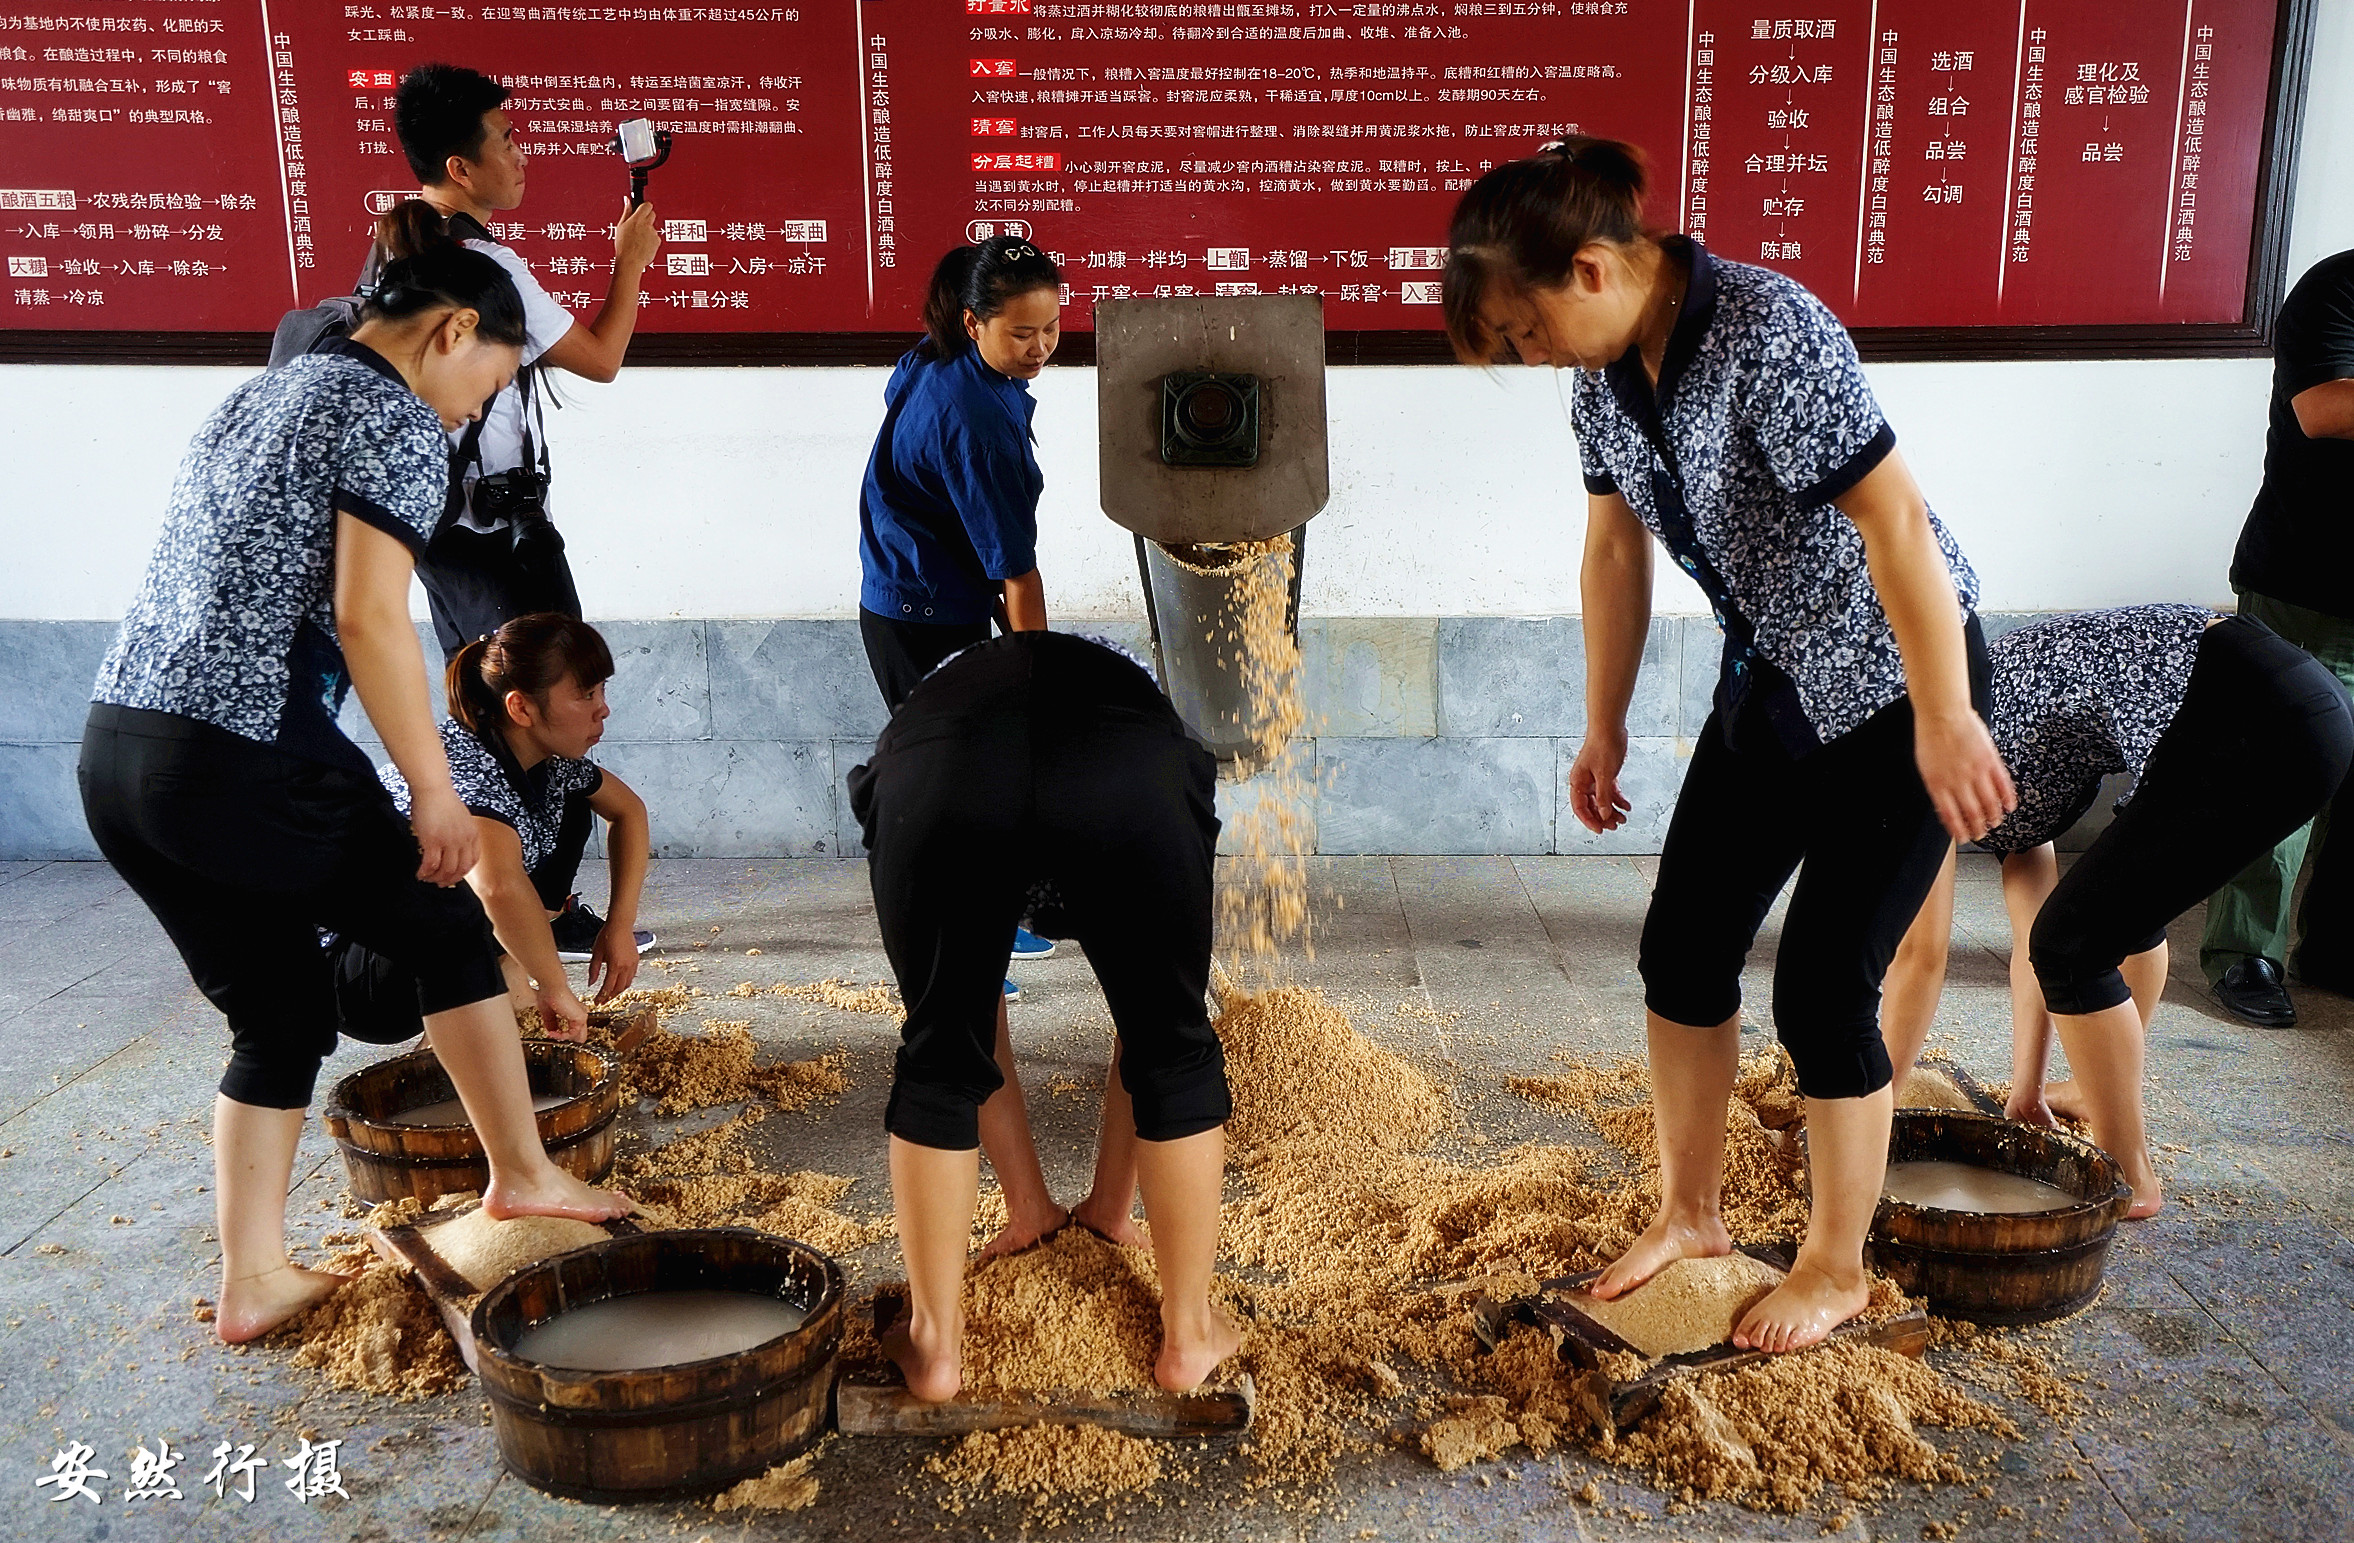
{"x": 497, "y": 556}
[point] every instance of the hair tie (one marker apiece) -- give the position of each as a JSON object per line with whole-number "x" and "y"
{"x": 1560, "y": 147}
{"x": 1019, "y": 251}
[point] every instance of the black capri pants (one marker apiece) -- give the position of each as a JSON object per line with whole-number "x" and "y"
{"x": 1043, "y": 774}
{"x": 244, "y": 852}
{"x": 1855, "y": 823}
{"x": 2262, "y": 740}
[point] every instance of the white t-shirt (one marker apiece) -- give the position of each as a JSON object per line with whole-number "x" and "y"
{"x": 544, "y": 324}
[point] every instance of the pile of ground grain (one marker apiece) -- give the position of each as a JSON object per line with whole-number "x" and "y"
{"x": 789, "y": 1486}
{"x": 680, "y": 1072}
{"x": 1073, "y": 1314}
{"x": 1691, "y": 1304}
{"x": 1926, "y": 1087}
{"x": 848, "y": 997}
{"x": 1774, "y": 1432}
{"x": 378, "y": 1334}
{"x": 1046, "y": 1464}
{"x": 713, "y": 1179}
{"x": 486, "y": 1251}
{"x": 1299, "y": 1069}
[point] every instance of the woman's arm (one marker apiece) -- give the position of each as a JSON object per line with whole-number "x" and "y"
{"x": 2028, "y": 880}
{"x": 1025, "y": 603}
{"x": 595, "y": 351}
{"x": 1615, "y": 584}
{"x": 521, "y": 922}
{"x": 1959, "y": 764}
{"x": 628, "y": 841}
{"x": 387, "y": 667}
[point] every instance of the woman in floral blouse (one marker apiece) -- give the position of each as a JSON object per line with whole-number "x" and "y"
{"x": 1720, "y": 409}
{"x": 216, "y": 780}
{"x": 2232, "y": 738}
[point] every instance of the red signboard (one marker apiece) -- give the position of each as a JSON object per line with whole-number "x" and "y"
{"x": 199, "y": 166}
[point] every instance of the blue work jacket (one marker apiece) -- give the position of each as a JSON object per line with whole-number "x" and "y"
{"x": 949, "y": 508}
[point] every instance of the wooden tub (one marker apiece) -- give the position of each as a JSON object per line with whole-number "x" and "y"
{"x": 668, "y": 1431}
{"x": 2001, "y": 1269}
{"x": 386, "y": 1160}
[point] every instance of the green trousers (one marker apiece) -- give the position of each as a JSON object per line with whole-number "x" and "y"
{"x": 2249, "y": 917}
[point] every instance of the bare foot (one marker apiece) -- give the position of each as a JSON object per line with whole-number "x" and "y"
{"x": 2063, "y": 1098}
{"x": 1190, "y": 1353}
{"x": 934, "y": 1370}
{"x": 1022, "y": 1232}
{"x": 1123, "y": 1231}
{"x": 551, "y": 1192}
{"x": 1808, "y": 1305}
{"x": 1662, "y": 1244}
{"x": 252, "y": 1307}
{"x": 2149, "y": 1197}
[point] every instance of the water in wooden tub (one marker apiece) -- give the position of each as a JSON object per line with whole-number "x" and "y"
{"x": 451, "y": 1112}
{"x": 657, "y": 1328}
{"x": 1950, "y": 1186}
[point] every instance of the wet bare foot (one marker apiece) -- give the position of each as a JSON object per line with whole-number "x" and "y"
{"x": 2063, "y": 1098}
{"x": 1808, "y": 1305}
{"x": 254, "y": 1306}
{"x": 1022, "y": 1232}
{"x": 932, "y": 1366}
{"x": 1123, "y": 1230}
{"x": 2149, "y": 1197}
{"x": 552, "y": 1192}
{"x": 1190, "y": 1354}
{"x": 1662, "y": 1244}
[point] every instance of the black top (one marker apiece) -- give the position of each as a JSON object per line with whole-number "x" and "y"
{"x": 2298, "y": 544}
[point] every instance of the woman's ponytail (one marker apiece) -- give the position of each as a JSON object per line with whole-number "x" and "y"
{"x": 479, "y": 708}
{"x": 981, "y": 279}
{"x": 423, "y": 269}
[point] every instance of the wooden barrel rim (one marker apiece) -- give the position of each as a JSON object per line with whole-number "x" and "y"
{"x": 497, "y": 1358}
{"x": 391, "y": 1141}
{"x": 477, "y": 1159}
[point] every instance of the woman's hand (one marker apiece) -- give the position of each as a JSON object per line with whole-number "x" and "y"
{"x": 1593, "y": 782}
{"x": 614, "y": 959}
{"x": 1963, "y": 772}
{"x": 445, "y": 834}
{"x": 561, "y": 1013}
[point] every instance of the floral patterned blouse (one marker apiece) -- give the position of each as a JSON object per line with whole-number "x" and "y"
{"x": 234, "y": 623}
{"x": 2079, "y": 697}
{"x": 1761, "y": 418}
{"x": 490, "y": 784}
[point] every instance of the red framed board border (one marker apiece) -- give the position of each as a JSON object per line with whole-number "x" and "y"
{"x": 2250, "y": 336}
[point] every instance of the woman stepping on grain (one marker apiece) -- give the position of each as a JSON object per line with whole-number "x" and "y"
{"x": 1720, "y": 408}
{"x": 1043, "y": 776}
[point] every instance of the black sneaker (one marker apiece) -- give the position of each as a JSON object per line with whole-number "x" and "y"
{"x": 2253, "y": 990}
{"x": 576, "y": 928}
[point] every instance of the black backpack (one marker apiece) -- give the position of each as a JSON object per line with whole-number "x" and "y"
{"x": 303, "y": 331}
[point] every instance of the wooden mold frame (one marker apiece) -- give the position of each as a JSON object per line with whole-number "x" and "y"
{"x": 863, "y": 1407}
{"x": 453, "y": 1296}
{"x": 1614, "y": 1405}
{"x": 1959, "y": 1075}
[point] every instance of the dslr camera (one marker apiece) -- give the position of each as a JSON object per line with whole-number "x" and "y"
{"x": 519, "y": 496}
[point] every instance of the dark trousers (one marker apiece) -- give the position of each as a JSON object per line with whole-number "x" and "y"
{"x": 243, "y": 853}
{"x": 902, "y": 653}
{"x": 376, "y": 995}
{"x": 474, "y": 583}
{"x": 1854, "y": 822}
{"x": 2262, "y": 741}
{"x": 1040, "y": 765}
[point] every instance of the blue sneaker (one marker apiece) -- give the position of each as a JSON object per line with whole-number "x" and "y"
{"x": 1029, "y": 945}
{"x": 1013, "y": 993}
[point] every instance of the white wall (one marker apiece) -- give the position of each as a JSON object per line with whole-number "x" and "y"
{"x": 726, "y": 492}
